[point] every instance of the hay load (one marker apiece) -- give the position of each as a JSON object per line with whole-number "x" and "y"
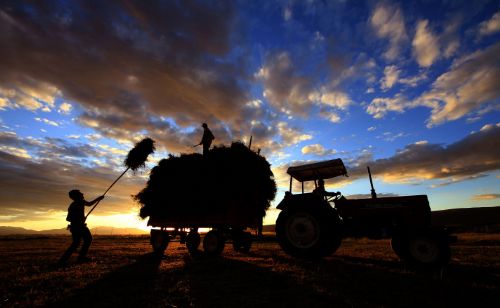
{"x": 226, "y": 179}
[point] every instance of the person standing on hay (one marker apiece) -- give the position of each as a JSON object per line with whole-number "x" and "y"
{"x": 78, "y": 227}
{"x": 207, "y": 138}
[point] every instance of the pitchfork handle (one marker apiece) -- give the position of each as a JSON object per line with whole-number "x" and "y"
{"x": 107, "y": 191}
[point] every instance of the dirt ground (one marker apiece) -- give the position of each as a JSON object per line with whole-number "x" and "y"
{"x": 363, "y": 273}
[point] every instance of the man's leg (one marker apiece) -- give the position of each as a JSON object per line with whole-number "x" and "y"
{"x": 76, "y": 236}
{"x": 87, "y": 240}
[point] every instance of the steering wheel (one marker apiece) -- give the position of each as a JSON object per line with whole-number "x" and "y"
{"x": 335, "y": 197}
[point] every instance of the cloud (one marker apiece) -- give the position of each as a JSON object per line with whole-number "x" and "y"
{"x": 48, "y": 148}
{"x": 485, "y": 197}
{"x": 343, "y": 68}
{"x": 491, "y": 26}
{"x": 390, "y": 136}
{"x": 40, "y": 171}
{"x": 414, "y": 80}
{"x": 336, "y": 99}
{"x": 391, "y": 75}
{"x": 330, "y": 116}
{"x": 294, "y": 94}
{"x": 291, "y": 136}
{"x": 474, "y": 156}
{"x": 450, "y": 38}
{"x": 425, "y": 45}
{"x": 317, "y": 149}
{"x": 45, "y": 185}
{"x": 380, "y": 106}
{"x": 30, "y": 95}
{"x": 287, "y": 13}
{"x": 388, "y": 22}
{"x": 469, "y": 86}
{"x": 127, "y": 62}
{"x": 4, "y": 103}
{"x": 284, "y": 88}
{"x": 47, "y": 121}
{"x": 65, "y": 108}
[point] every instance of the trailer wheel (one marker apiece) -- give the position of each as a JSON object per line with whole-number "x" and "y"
{"x": 193, "y": 242}
{"x": 213, "y": 243}
{"x": 159, "y": 241}
{"x": 308, "y": 232}
{"x": 426, "y": 249}
{"x": 242, "y": 242}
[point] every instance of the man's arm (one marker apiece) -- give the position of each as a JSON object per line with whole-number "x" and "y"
{"x": 90, "y": 203}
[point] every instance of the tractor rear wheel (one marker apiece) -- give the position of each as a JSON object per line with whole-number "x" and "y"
{"x": 308, "y": 232}
{"x": 213, "y": 243}
{"x": 159, "y": 241}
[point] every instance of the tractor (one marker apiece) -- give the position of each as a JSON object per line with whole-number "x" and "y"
{"x": 313, "y": 224}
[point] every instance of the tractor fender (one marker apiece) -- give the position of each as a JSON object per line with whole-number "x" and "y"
{"x": 303, "y": 200}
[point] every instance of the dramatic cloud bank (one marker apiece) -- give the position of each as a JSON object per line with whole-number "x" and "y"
{"x": 128, "y": 64}
{"x": 474, "y": 156}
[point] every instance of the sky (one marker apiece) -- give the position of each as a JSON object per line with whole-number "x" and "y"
{"x": 409, "y": 88}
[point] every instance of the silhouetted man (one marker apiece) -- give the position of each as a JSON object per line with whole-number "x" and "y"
{"x": 321, "y": 190}
{"x": 78, "y": 227}
{"x": 207, "y": 138}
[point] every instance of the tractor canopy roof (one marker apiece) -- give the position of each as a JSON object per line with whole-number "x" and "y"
{"x": 322, "y": 170}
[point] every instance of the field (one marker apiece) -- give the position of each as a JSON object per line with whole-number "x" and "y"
{"x": 363, "y": 273}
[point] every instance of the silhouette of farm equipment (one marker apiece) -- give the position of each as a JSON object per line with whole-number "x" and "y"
{"x": 313, "y": 224}
{"x": 226, "y": 190}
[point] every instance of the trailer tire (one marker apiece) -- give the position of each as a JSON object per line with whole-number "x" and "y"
{"x": 242, "y": 242}
{"x": 193, "y": 242}
{"x": 308, "y": 232}
{"x": 159, "y": 241}
{"x": 213, "y": 243}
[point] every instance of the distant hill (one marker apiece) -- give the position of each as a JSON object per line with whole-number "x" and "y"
{"x": 15, "y": 231}
{"x": 6, "y": 230}
{"x": 480, "y": 219}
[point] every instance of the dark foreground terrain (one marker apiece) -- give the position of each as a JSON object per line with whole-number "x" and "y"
{"x": 363, "y": 273}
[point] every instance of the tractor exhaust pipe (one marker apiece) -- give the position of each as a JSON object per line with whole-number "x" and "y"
{"x": 374, "y": 194}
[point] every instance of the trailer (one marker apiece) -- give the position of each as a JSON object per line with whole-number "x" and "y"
{"x": 226, "y": 190}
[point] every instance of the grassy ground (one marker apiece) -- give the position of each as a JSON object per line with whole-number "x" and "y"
{"x": 363, "y": 273}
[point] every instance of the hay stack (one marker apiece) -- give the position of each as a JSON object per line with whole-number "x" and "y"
{"x": 195, "y": 186}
